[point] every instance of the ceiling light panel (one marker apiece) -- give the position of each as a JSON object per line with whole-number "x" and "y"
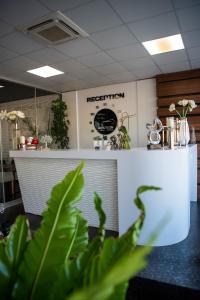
{"x": 166, "y": 44}
{"x": 45, "y": 72}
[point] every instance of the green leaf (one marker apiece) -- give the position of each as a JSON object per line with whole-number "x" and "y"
{"x": 102, "y": 216}
{"x": 55, "y": 242}
{"x": 73, "y": 273}
{"x": 115, "y": 249}
{"x": 5, "y": 272}
{"x": 17, "y": 241}
{"x": 11, "y": 253}
{"x": 121, "y": 271}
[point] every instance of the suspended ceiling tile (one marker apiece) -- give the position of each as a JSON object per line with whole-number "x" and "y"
{"x": 6, "y": 54}
{"x": 137, "y": 63}
{"x": 47, "y": 56}
{"x": 110, "y": 68}
{"x": 98, "y": 78}
{"x": 69, "y": 65}
{"x": 97, "y": 59}
{"x": 194, "y": 53}
{"x": 94, "y": 16}
{"x": 189, "y": 18}
{"x": 156, "y": 27}
{"x": 169, "y": 57}
{"x": 195, "y": 63}
{"x": 79, "y": 47}
{"x": 185, "y": 3}
{"x": 113, "y": 38}
{"x": 5, "y": 28}
{"x": 62, "y": 4}
{"x": 22, "y": 63}
{"x": 131, "y": 10}
{"x": 128, "y": 52}
{"x": 86, "y": 74}
{"x": 175, "y": 67}
{"x": 123, "y": 76}
{"x": 146, "y": 72}
{"x": 20, "y": 43}
{"x": 21, "y": 11}
{"x": 191, "y": 38}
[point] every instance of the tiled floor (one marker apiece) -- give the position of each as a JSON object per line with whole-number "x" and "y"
{"x": 173, "y": 272}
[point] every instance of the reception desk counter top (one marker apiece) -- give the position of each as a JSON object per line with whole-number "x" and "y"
{"x": 116, "y": 175}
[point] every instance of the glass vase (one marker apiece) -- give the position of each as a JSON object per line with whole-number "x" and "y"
{"x": 184, "y": 132}
{"x": 15, "y": 136}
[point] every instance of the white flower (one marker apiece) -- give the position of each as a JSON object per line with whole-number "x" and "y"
{"x": 3, "y": 114}
{"x": 15, "y": 114}
{"x": 192, "y": 104}
{"x": 183, "y": 102}
{"x": 20, "y": 114}
{"x": 172, "y": 107}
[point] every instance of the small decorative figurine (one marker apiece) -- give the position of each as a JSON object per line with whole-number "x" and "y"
{"x": 154, "y": 134}
{"x": 114, "y": 145}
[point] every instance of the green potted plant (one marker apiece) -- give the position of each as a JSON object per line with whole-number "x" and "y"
{"x": 59, "y": 127}
{"x": 59, "y": 262}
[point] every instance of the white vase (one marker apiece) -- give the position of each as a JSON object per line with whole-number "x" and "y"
{"x": 184, "y": 132}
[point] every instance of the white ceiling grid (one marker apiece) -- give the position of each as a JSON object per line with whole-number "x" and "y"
{"x": 112, "y": 53}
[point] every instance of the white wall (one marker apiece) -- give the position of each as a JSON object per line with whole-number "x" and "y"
{"x": 147, "y": 107}
{"x": 140, "y": 99}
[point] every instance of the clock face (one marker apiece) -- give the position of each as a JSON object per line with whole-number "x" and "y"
{"x": 105, "y": 121}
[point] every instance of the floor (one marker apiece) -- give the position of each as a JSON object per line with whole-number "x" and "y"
{"x": 173, "y": 272}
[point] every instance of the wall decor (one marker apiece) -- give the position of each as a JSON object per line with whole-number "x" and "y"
{"x": 105, "y": 97}
{"x": 105, "y": 121}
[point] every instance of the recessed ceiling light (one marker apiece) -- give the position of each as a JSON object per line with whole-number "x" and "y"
{"x": 45, "y": 71}
{"x": 166, "y": 44}
{"x": 1, "y": 86}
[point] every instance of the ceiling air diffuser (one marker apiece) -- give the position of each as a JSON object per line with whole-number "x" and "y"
{"x": 54, "y": 28}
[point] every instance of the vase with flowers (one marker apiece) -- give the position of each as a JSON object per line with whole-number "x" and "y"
{"x": 14, "y": 117}
{"x": 187, "y": 106}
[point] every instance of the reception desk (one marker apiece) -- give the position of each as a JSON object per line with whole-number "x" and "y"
{"x": 116, "y": 175}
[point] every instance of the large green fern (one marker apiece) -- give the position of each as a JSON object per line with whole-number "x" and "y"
{"x": 59, "y": 262}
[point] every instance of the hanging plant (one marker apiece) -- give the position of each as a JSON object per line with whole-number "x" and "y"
{"x": 59, "y": 128}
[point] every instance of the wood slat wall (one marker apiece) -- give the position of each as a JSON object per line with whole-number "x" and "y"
{"x": 177, "y": 86}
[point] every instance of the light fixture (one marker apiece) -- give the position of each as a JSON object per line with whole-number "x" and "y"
{"x": 45, "y": 71}
{"x": 166, "y": 44}
{"x": 1, "y": 86}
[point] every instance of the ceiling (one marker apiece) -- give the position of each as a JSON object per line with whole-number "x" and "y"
{"x": 112, "y": 53}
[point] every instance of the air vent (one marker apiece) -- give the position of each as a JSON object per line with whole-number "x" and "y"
{"x": 54, "y": 28}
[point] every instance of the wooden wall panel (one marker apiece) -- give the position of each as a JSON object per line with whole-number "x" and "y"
{"x": 177, "y": 86}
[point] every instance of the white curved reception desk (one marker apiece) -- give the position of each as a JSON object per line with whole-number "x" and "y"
{"x": 116, "y": 175}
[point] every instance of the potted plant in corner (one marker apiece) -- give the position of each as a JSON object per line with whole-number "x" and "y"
{"x": 59, "y": 127}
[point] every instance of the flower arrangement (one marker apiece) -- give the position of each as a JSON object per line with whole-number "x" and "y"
{"x": 12, "y": 115}
{"x": 187, "y": 105}
{"x": 15, "y": 115}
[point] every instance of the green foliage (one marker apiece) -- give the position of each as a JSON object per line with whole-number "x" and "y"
{"x": 125, "y": 138}
{"x": 59, "y": 262}
{"x": 59, "y": 128}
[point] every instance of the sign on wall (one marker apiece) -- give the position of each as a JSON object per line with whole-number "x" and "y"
{"x": 105, "y": 97}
